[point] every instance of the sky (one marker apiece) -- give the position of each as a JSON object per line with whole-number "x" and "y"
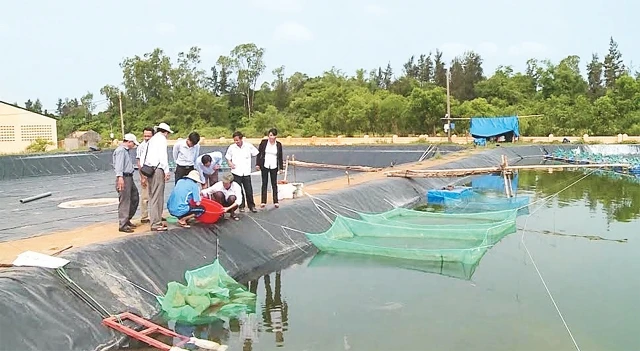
{"x": 57, "y": 49}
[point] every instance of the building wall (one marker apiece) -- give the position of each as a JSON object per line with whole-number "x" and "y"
{"x": 19, "y": 128}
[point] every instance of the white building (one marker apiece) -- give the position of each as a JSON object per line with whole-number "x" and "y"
{"x": 19, "y": 127}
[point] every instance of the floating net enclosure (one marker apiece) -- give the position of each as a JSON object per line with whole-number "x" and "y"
{"x": 414, "y": 237}
{"x": 578, "y": 156}
{"x": 210, "y": 294}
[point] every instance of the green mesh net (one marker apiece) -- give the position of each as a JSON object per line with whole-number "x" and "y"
{"x": 441, "y": 220}
{"x": 415, "y": 235}
{"x": 210, "y": 294}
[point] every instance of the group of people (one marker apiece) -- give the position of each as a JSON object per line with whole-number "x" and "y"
{"x": 195, "y": 176}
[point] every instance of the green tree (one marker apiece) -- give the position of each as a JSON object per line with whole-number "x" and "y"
{"x": 613, "y": 65}
{"x": 249, "y": 65}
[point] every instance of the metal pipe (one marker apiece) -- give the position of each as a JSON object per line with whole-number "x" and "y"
{"x": 35, "y": 197}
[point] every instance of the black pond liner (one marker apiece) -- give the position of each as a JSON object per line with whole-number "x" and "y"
{"x": 40, "y": 313}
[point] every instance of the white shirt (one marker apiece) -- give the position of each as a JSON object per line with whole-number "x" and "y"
{"x": 234, "y": 189}
{"x": 216, "y": 159}
{"x": 157, "y": 155}
{"x": 183, "y": 155}
{"x": 241, "y": 158}
{"x": 140, "y": 150}
{"x": 271, "y": 155}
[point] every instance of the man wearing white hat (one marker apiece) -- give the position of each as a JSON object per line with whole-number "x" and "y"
{"x": 155, "y": 166}
{"x": 125, "y": 186}
{"x": 179, "y": 203}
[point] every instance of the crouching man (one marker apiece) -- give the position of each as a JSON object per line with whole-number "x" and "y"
{"x": 179, "y": 203}
{"x": 227, "y": 193}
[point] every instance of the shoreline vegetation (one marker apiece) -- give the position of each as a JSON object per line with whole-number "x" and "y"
{"x": 389, "y": 141}
{"x": 569, "y": 98}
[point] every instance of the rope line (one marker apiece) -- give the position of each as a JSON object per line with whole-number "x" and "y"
{"x": 266, "y": 231}
{"x": 535, "y": 265}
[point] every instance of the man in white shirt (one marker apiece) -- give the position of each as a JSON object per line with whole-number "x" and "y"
{"x": 185, "y": 152}
{"x": 227, "y": 193}
{"x": 156, "y": 156}
{"x": 208, "y": 165}
{"x": 141, "y": 150}
{"x": 239, "y": 158}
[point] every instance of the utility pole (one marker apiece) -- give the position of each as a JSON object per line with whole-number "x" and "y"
{"x": 448, "y": 107}
{"x": 121, "y": 117}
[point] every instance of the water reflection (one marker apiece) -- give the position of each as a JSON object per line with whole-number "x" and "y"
{"x": 275, "y": 312}
{"x": 619, "y": 195}
{"x": 332, "y": 260}
{"x": 247, "y": 325}
{"x": 275, "y": 309}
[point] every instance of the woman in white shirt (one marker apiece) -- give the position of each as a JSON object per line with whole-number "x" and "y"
{"x": 269, "y": 161}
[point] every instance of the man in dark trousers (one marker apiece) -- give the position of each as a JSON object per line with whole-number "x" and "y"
{"x": 239, "y": 156}
{"x": 125, "y": 186}
{"x": 185, "y": 153}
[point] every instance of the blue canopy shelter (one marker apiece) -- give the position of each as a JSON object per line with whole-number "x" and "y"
{"x": 483, "y": 128}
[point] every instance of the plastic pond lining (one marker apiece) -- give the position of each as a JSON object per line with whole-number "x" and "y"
{"x": 82, "y": 177}
{"x": 40, "y": 313}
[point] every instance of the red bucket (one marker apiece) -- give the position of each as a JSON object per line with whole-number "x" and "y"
{"x": 212, "y": 211}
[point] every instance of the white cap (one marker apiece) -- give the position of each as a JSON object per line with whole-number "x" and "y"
{"x": 164, "y": 126}
{"x": 131, "y": 137}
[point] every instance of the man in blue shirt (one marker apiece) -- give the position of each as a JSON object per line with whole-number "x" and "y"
{"x": 185, "y": 153}
{"x": 208, "y": 166}
{"x": 179, "y": 203}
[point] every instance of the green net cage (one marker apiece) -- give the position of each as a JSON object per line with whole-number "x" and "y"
{"x": 210, "y": 294}
{"x": 414, "y": 235}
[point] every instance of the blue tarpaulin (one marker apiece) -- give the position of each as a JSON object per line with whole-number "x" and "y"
{"x": 493, "y": 126}
{"x": 437, "y": 196}
{"x": 493, "y": 182}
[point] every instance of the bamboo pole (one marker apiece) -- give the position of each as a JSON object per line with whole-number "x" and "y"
{"x": 435, "y": 173}
{"x": 341, "y": 167}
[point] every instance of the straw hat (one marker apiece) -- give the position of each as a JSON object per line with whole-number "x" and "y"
{"x": 195, "y": 176}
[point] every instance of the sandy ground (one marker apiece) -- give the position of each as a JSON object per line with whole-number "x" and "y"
{"x": 104, "y": 232}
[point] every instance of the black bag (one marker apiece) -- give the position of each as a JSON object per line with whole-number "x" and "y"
{"x": 147, "y": 170}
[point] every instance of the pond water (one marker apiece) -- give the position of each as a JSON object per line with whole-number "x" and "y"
{"x": 584, "y": 242}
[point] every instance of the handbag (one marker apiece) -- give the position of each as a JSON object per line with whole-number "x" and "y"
{"x": 147, "y": 170}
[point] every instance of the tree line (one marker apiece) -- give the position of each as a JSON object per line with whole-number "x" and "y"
{"x": 226, "y": 97}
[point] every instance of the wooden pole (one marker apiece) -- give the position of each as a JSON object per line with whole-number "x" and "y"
{"x": 448, "y": 107}
{"x": 435, "y": 173}
{"x": 293, "y": 161}
{"x": 121, "y": 116}
{"x": 324, "y": 165}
